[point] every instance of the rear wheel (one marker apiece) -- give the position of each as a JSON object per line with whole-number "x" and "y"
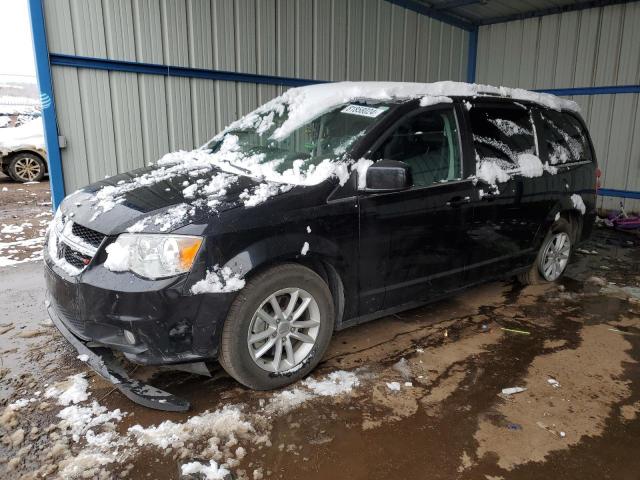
{"x": 553, "y": 256}
{"x": 278, "y": 327}
{"x": 26, "y": 167}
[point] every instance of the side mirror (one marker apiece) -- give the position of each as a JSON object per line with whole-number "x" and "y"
{"x": 388, "y": 176}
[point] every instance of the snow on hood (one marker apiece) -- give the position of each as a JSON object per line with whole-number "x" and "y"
{"x": 28, "y": 134}
{"x": 210, "y": 177}
{"x": 304, "y": 104}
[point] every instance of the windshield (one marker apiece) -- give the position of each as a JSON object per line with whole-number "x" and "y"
{"x": 328, "y": 137}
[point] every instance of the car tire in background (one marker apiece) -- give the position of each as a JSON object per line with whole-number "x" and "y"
{"x": 553, "y": 256}
{"x": 287, "y": 309}
{"x": 26, "y": 167}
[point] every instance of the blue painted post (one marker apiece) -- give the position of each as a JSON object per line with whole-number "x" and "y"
{"x": 472, "y": 57}
{"x": 43, "y": 73}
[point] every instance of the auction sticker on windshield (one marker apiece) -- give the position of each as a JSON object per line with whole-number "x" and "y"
{"x": 363, "y": 111}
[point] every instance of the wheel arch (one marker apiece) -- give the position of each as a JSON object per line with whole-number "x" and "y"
{"x": 14, "y": 153}
{"x": 324, "y": 258}
{"x": 563, "y": 208}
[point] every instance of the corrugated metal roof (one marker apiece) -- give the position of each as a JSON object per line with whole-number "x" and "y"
{"x": 483, "y": 12}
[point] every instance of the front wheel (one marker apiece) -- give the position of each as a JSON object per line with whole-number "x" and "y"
{"x": 553, "y": 256}
{"x": 26, "y": 167}
{"x": 278, "y": 327}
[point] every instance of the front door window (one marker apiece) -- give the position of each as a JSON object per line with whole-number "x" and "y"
{"x": 428, "y": 143}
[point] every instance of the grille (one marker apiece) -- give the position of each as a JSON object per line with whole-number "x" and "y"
{"x": 74, "y": 257}
{"x": 92, "y": 237}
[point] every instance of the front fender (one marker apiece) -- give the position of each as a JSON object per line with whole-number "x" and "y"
{"x": 286, "y": 247}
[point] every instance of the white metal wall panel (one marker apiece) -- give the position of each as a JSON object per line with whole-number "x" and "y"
{"x": 267, "y": 46}
{"x": 117, "y": 121}
{"x": 67, "y": 93}
{"x": 588, "y": 48}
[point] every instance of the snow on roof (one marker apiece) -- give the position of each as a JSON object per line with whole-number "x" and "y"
{"x": 304, "y": 104}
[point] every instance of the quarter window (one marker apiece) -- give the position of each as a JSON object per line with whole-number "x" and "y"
{"x": 428, "y": 143}
{"x": 501, "y": 135}
{"x": 564, "y": 138}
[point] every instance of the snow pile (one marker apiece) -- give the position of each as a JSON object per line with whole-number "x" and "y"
{"x": 52, "y": 250}
{"x": 530, "y": 165}
{"x": 87, "y": 442}
{"x": 578, "y": 203}
{"x": 429, "y": 100}
{"x": 11, "y": 252}
{"x": 262, "y": 193}
{"x": 29, "y": 134}
{"x": 139, "y": 226}
{"x": 393, "y": 386}
{"x": 219, "y": 280}
{"x": 117, "y": 257}
{"x": 78, "y": 420}
{"x": 305, "y": 104}
{"x": 335, "y": 383}
{"x": 494, "y": 170}
{"x": 72, "y": 390}
{"x": 287, "y": 400}
{"x": 209, "y": 472}
{"x": 173, "y": 217}
{"x": 225, "y": 422}
{"x": 21, "y": 403}
{"x": 14, "y": 229}
{"x": 490, "y": 172}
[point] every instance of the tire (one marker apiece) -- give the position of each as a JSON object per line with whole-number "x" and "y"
{"x": 536, "y": 274}
{"x": 26, "y": 167}
{"x": 242, "y": 360}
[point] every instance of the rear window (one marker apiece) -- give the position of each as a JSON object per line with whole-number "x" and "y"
{"x": 501, "y": 134}
{"x": 564, "y": 138}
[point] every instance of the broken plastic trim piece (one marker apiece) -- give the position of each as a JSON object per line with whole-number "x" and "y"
{"x": 105, "y": 364}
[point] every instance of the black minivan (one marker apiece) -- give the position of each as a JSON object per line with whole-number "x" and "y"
{"x": 329, "y": 206}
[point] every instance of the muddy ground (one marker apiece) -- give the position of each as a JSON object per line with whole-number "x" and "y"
{"x": 25, "y": 212}
{"x": 416, "y": 395}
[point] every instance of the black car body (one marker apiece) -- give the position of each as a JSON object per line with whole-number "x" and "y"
{"x": 379, "y": 249}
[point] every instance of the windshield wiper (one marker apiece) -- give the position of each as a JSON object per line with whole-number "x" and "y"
{"x": 242, "y": 169}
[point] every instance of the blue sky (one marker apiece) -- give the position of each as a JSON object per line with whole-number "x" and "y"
{"x": 16, "y": 45}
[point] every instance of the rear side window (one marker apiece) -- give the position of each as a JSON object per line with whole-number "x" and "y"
{"x": 501, "y": 134}
{"x": 564, "y": 138}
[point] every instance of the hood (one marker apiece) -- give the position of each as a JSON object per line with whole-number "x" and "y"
{"x": 124, "y": 203}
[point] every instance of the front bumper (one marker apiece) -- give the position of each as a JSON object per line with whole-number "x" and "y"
{"x": 93, "y": 309}
{"x": 103, "y": 362}
{"x": 169, "y": 327}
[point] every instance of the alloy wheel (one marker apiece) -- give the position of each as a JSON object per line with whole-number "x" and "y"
{"x": 26, "y": 169}
{"x": 555, "y": 256}
{"x": 284, "y": 330}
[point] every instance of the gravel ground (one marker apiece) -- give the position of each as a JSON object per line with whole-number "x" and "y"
{"x": 415, "y": 395}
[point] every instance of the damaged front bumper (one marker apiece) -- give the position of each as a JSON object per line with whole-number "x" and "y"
{"x": 102, "y": 360}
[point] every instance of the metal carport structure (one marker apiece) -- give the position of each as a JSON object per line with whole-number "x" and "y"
{"x": 125, "y": 81}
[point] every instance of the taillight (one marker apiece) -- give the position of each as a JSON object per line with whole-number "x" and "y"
{"x": 598, "y": 174}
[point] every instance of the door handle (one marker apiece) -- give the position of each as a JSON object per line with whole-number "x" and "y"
{"x": 457, "y": 201}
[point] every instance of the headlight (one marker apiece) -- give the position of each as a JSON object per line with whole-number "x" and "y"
{"x": 152, "y": 256}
